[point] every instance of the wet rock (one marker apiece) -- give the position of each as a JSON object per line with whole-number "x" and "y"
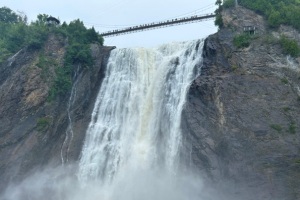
{"x": 241, "y": 123}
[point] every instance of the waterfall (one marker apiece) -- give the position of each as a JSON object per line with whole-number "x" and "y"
{"x": 135, "y": 124}
{"x": 64, "y": 152}
{"x": 133, "y": 142}
{"x": 13, "y": 58}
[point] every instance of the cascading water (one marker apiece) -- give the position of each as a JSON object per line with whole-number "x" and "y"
{"x": 132, "y": 145}
{"x": 135, "y": 126}
{"x": 64, "y": 152}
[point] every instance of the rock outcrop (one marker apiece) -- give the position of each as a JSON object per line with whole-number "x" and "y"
{"x": 241, "y": 123}
{"x": 33, "y": 130}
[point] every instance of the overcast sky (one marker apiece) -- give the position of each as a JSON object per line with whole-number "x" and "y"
{"x": 107, "y": 15}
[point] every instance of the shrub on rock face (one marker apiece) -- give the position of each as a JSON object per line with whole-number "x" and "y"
{"x": 274, "y": 19}
{"x": 292, "y": 128}
{"x": 42, "y": 123}
{"x": 290, "y": 46}
{"x": 276, "y": 127}
{"x": 78, "y": 54}
{"x": 242, "y": 40}
{"x": 228, "y": 3}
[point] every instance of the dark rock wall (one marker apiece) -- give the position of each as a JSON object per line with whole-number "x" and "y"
{"x": 241, "y": 122}
{"x": 24, "y": 144}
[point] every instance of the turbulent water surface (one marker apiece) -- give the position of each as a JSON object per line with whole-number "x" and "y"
{"x": 136, "y": 119}
{"x": 132, "y": 145}
{"x": 135, "y": 127}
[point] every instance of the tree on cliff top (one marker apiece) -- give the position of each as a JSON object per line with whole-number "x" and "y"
{"x": 8, "y": 16}
{"x": 219, "y": 19}
{"x": 16, "y": 34}
{"x": 276, "y": 11}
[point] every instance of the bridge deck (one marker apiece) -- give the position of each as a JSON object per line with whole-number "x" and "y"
{"x": 154, "y": 25}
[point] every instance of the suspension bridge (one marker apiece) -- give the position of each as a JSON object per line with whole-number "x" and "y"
{"x": 156, "y": 25}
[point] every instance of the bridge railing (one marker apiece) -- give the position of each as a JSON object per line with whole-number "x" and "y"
{"x": 154, "y": 25}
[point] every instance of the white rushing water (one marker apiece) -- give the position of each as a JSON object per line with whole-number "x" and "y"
{"x": 135, "y": 124}
{"x": 64, "y": 152}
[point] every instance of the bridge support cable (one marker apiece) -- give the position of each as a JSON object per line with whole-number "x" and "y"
{"x": 156, "y": 25}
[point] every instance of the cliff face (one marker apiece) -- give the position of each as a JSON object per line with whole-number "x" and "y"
{"x": 242, "y": 120}
{"x": 33, "y": 130}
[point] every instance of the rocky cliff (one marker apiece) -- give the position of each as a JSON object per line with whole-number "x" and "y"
{"x": 34, "y": 130}
{"x": 242, "y": 119}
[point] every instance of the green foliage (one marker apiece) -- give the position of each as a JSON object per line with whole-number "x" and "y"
{"x": 292, "y": 128}
{"x": 4, "y": 51}
{"x": 62, "y": 83}
{"x": 8, "y": 16}
{"x": 242, "y": 40}
{"x": 234, "y": 67}
{"x": 277, "y": 12}
{"x": 41, "y": 20}
{"x": 276, "y": 127}
{"x": 78, "y": 53}
{"x": 284, "y": 80}
{"x": 219, "y": 20}
{"x": 16, "y": 37}
{"x": 270, "y": 39}
{"x": 93, "y": 36}
{"x": 286, "y": 109}
{"x": 228, "y": 3}
{"x": 290, "y": 46}
{"x": 16, "y": 34}
{"x": 42, "y": 62}
{"x": 45, "y": 63}
{"x": 43, "y": 123}
{"x": 218, "y": 2}
{"x": 274, "y": 18}
{"x": 80, "y": 34}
